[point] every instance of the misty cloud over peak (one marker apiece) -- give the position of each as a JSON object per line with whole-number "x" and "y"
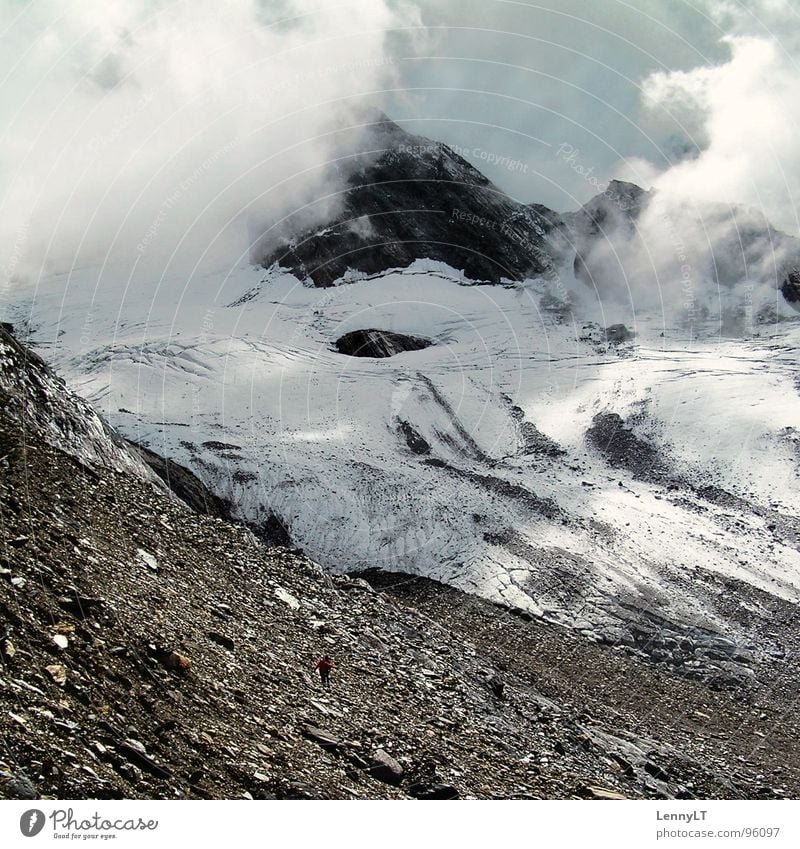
{"x": 163, "y": 135}
{"x": 148, "y": 133}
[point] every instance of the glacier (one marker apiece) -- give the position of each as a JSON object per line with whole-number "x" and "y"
{"x": 478, "y": 461}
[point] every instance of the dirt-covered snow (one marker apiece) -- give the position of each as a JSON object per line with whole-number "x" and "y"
{"x": 522, "y": 456}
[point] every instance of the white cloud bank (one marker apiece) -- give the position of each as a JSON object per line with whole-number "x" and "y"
{"x": 741, "y": 117}
{"x": 150, "y": 132}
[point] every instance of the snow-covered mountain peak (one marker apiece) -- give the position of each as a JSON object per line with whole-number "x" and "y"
{"x": 406, "y": 198}
{"x": 545, "y": 443}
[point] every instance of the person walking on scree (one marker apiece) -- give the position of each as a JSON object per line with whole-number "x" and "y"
{"x": 324, "y": 666}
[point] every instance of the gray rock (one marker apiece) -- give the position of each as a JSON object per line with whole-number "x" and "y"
{"x": 322, "y": 738}
{"x": 378, "y": 343}
{"x": 435, "y": 791}
{"x": 20, "y": 787}
{"x": 301, "y": 790}
{"x": 385, "y": 768}
{"x": 618, "y": 333}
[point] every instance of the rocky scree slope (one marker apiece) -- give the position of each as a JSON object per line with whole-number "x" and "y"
{"x": 149, "y": 651}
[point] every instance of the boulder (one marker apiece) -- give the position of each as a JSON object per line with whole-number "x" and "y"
{"x": 433, "y": 791}
{"x": 20, "y": 787}
{"x": 618, "y": 333}
{"x": 378, "y": 343}
{"x": 591, "y": 791}
{"x": 323, "y": 738}
{"x": 385, "y": 768}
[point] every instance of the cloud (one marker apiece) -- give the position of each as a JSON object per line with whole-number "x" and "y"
{"x": 726, "y": 173}
{"x": 744, "y": 117}
{"x": 149, "y": 133}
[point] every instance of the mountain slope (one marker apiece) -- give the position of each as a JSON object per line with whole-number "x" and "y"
{"x": 516, "y": 442}
{"x": 277, "y": 423}
{"x": 37, "y": 401}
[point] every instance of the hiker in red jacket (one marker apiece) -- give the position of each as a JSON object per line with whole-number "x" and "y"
{"x": 324, "y": 665}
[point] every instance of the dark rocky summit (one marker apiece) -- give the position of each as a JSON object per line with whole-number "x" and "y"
{"x": 790, "y": 288}
{"x": 407, "y": 198}
{"x": 410, "y": 198}
{"x": 738, "y": 245}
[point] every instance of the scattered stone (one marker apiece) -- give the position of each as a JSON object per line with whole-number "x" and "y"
{"x": 20, "y": 787}
{"x": 356, "y": 584}
{"x": 60, "y": 641}
{"x": 18, "y": 719}
{"x": 436, "y": 791}
{"x": 656, "y": 771}
{"x": 58, "y": 673}
{"x": 178, "y": 662}
{"x": 287, "y": 598}
{"x": 80, "y": 605}
{"x": 325, "y": 739}
{"x": 383, "y": 767}
{"x": 592, "y": 792}
{"x": 147, "y": 559}
{"x": 324, "y": 709}
{"x": 300, "y": 790}
{"x": 134, "y": 754}
{"x": 496, "y": 684}
{"x": 133, "y": 743}
{"x": 374, "y": 642}
{"x": 222, "y": 640}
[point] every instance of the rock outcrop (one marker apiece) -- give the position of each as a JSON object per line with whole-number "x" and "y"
{"x": 378, "y": 343}
{"x": 409, "y": 198}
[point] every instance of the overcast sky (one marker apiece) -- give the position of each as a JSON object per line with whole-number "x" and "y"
{"x": 139, "y": 127}
{"x": 629, "y": 86}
